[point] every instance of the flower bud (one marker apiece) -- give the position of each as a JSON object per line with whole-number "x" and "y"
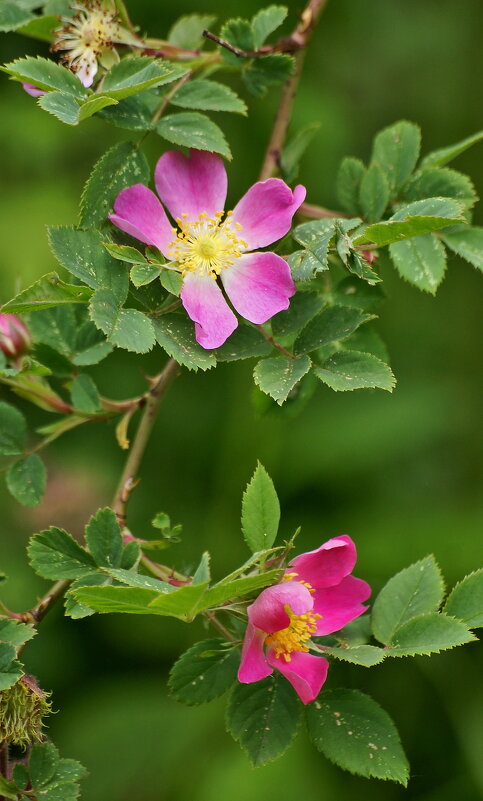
{"x": 14, "y": 337}
{"x": 22, "y": 709}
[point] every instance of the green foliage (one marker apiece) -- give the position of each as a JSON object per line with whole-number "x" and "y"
{"x": 127, "y": 328}
{"x": 125, "y": 253}
{"x": 421, "y": 261}
{"x": 263, "y": 717}
{"x": 134, "y": 113}
{"x": 332, "y": 324}
{"x": 52, "y": 778}
{"x": 316, "y": 237}
{"x": 414, "y": 219}
{"x": 278, "y": 376}
{"x": 15, "y": 633}
{"x": 429, "y": 634}
{"x": 351, "y": 369}
{"x": 364, "y": 655}
{"x": 192, "y": 129}
{"x": 416, "y": 590}
{"x": 244, "y": 343}
{"x": 396, "y": 151}
{"x": 104, "y": 539}
{"x": 67, "y": 108}
{"x": 43, "y": 763}
{"x": 26, "y": 479}
{"x": 13, "y": 430}
{"x": 143, "y": 274}
{"x": 175, "y": 333}
{"x": 136, "y": 73}
{"x": 440, "y": 157}
{"x": 54, "y": 554}
{"x": 227, "y": 590}
{"x": 353, "y": 731}
{"x": 437, "y": 182}
{"x": 295, "y": 149}
{"x": 465, "y": 600}
{"x": 374, "y": 193}
{"x": 303, "y": 307}
{"x": 82, "y": 254}
{"x": 466, "y": 242}
{"x": 13, "y": 16}
{"x": 265, "y": 22}
{"x": 121, "y": 166}
{"x": 85, "y": 395}
{"x": 349, "y": 178}
{"x": 208, "y": 95}
{"x": 187, "y": 31}
{"x": 261, "y": 73}
{"x": 204, "y": 671}
{"x": 47, "y": 292}
{"x": 260, "y": 511}
{"x": 46, "y": 74}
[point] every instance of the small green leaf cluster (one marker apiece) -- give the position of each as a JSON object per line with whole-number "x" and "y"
{"x": 13, "y": 635}
{"x": 45, "y": 777}
{"x": 25, "y": 475}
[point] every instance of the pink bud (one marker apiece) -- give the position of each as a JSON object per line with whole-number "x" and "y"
{"x": 14, "y": 337}
{"x": 369, "y": 256}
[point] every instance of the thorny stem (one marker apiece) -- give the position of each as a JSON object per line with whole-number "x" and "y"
{"x": 301, "y": 37}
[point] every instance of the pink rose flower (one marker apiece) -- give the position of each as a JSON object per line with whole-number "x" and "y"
{"x": 14, "y": 336}
{"x": 209, "y": 244}
{"x": 316, "y": 596}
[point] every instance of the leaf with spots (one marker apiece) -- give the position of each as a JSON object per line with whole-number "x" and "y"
{"x": 175, "y": 333}
{"x": 204, "y": 672}
{"x": 278, "y": 376}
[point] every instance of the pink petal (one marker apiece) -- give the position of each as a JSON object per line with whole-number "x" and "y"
{"x": 327, "y": 565}
{"x": 253, "y": 665}
{"x": 259, "y": 285}
{"x": 268, "y": 613}
{"x": 265, "y": 212}
{"x": 305, "y": 672}
{"x": 32, "y": 90}
{"x": 191, "y": 185}
{"x": 139, "y": 213}
{"x": 205, "y": 304}
{"x": 340, "y": 604}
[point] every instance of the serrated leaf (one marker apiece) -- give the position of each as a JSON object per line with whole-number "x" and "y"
{"x": 135, "y": 113}
{"x": 46, "y": 74}
{"x": 445, "y": 154}
{"x": 137, "y": 73}
{"x": 10, "y": 669}
{"x": 40, "y": 27}
{"x": 139, "y": 580}
{"x": 413, "y": 591}
{"x": 303, "y": 307}
{"x": 331, "y": 324}
{"x": 15, "y": 633}
{"x": 238, "y": 588}
{"x": 193, "y": 130}
{"x": 43, "y": 762}
{"x": 349, "y": 177}
{"x": 244, "y": 343}
{"x": 104, "y": 539}
{"x": 12, "y": 16}
{"x": 85, "y": 395}
{"x": 208, "y": 95}
{"x": 175, "y": 334}
{"x": 187, "y": 31}
{"x": 26, "y": 480}
{"x": 414, "y": 219}
{"x": 183, "y": 603}
{"x": 54, "y": 554}
{"x": 373, "y": 193}
{"x": 8, "y": 789}
{"x": 428, "y": 634}
{"x": 68, "y": 771}
{"x": 468, "y": 243}
{"x": 365, "y": 655}
{"x": 13, "y": 430}
{"x": 125, "y": 253}
{"x": 421, "y": 261}
{"x": 316, "y": 236}
{"x": 260, "y": 511}
{"x": 62, "y": 105}
{"x": 266, "y": 71}
{"x": 278, "y": 376}
{"x": 440, "y": 182}
{"x": 47, "y": 292}
{"x": 127, "y": 328}
{"x": 353, "y": 731}
{"x": 348, "y": 370}
{"x": 77, "y": 610}
{"x": 303, "y": 265}
{"x": 239, "y": 33}
{"x": 93, "y": 105}
{"x": 107, "y": 599}
{"x": 263, "y": 717}
{"x": 396, "y": 151}
{"x": 265, "y": 22}
{"x": 352, "y": 291}
{"x": 120, "y": 167}
{"x": 204, "y": 672}
{"x": 143, "y": 274}
{"x": 465, "y": 600}
{"x": 55, "y": 327}
{"x": 172, "y": 282}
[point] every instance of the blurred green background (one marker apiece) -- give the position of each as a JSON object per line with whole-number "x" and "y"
{"x": 402, "y": 473}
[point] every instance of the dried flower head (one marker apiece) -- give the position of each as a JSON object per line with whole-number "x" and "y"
{"x": 22, "y": 710}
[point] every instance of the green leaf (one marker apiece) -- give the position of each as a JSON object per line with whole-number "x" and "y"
{"x": 278, "y": 376}
{"x": 239, "y": 588}
{"x": 365, "y": 655}
{"x": 465, "y": 600}
{"x": 349, "y": 177}
{"x": 445, "y": 154}
{"x": 63, "y": 106}
{"x": 12, "y": 16}
{"x": 260, "y": 511}
{"x": 104, "y": 540}
{"x": 413, "y": 591}
{"x": 139, "y": 580}
{"x": 396, "y": 151}
{"x": 244, "y": 343}
{"x": 136, "y": 73}
{"x": 183, "y": 603}
{"x": 76, "y": 610}
{"x": 420, "y": 217}
{"x": 175, "y": 333}
{"x": 172, "y": 282}
{"x": 187, "y": 31}
{"x": 127, "y": 328}
{"x": 46, "y": 74}
{"x": 353, "y": 731}
{"x": 43, "y": 762}
{"x": 316, "y": 236}
{"x": 93, "y": 105}
{"x": 26, "y": 480}
{"x": 191, "y": 129}
{"x": 294, "y": 150}
{"x": 143, "y": 274}
{"x": 263, "y": 717}
{"x": 266, "y": 71}
{"x": 68, "y": 771}
{"x": 373, "y": 193}
{"x": 107, "y": 599}
{"x": 121, "y": 166}
{"x": 239, "y": 33}
{"x": 15, "y": 633}
{"x": 208, "y": 96}
{"x": 331, "y": 324}
{"x": 13, "y": 430}
{"x": 468, "y": 243}
{"x": 421, "y": 261}
{"x": 265, "y": 22}
{"x": 55, "y": 327}
{"x": 82, "y": 254}
{"x": 303, "y": 265}
{"x": 135, "y": 113}
{"x": 367, "y": 340}
{"x": 303, "y": 307}
{"x": 125, "y": 253}
{"x": 10, "y": 669}
{"x": 350, "y": 369}
{"x": 47, "y": 292}
{"x": 437, "y": 182}
{"x": 429, "y": 634}
{"x": 54, "y": 554}
{"x": 41, "y": 28}
{"x": 8, "y": 789}
{"x": 204, "y": 672}
{"x": 59, "y": 792}
{"x": 85, "y": 395}
{"x": 352, "y": 291}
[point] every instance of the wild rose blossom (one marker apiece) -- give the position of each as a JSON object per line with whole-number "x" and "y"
{"x": 211, "y": 244}
{"x": 14, "y": 336}
{"x": 317, "y": 596}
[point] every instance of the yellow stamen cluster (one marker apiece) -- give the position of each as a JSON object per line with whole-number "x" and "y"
{"x": 295, "y": 637}
{"x": 294, "y": 577}
{"x": 85, "y": 36}
{"x": 207, "y": 245}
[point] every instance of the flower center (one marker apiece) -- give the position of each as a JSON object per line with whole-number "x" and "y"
{"x": 295, "y": 637}
{"x": 90, "y": 30}
{"x": 207, "y": 245}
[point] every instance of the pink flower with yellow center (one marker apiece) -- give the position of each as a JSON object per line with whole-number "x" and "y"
{"x": 317, "y": 596}
{"x": 209, "y": 244}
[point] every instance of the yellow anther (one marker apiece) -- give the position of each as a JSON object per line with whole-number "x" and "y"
{"x": 206, "y": 245}
{"x": 295, "y": 637}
